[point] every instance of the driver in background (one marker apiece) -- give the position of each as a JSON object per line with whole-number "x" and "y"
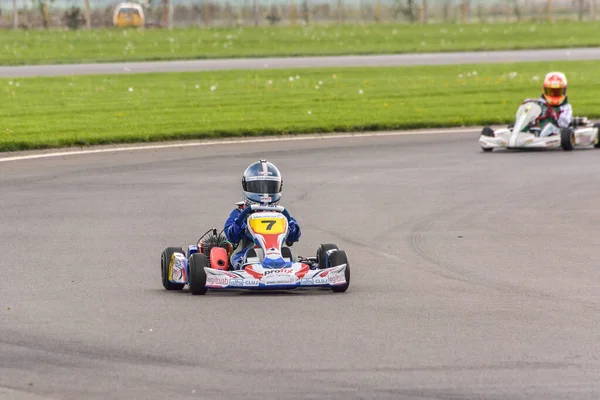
{"x": 261, "y": 184}
{"x": 558, "y": 113}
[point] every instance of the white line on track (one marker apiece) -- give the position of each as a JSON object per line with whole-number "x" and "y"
{"x": 236, "y": 141}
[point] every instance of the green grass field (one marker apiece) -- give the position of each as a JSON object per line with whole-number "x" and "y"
{"x": 85, "y": 110}
{"x": 48, "y": 47}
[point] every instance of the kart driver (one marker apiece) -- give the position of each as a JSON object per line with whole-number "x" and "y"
{"x": 262, "y": 185}
{"x": 558, "y": 113}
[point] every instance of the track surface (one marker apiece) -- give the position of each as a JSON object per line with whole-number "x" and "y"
{"x": 305, "y": 62}
{"x": 475, "y": 276}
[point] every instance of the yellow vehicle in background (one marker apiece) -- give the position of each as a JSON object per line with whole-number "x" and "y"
{"x": 128, "y": 15}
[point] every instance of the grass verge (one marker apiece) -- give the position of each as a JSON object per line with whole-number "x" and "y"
{"x": 86, "y": 110}
{"x": 57, "y": 46}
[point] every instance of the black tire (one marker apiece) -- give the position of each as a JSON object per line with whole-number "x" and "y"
{"x": 567, "y": 139}
{"x": 597, "y": 145}
{"x": 165, "y": 260}
{"x": 337, "y": 258}
{"x": 487, "y": 131}
{"x": 321, "y": 254}
{"x": 197, "y": 275}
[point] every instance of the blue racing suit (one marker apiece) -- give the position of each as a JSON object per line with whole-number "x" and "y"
{"x": 235, "y": 231}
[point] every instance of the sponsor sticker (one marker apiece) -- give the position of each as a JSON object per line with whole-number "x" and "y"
{"x": 335, "y": 279}
{"x": 265, "y": 199}
{"x": 177, "y": 267}
{"x": 278, "y": 271}
{"x": 320, "y": 281}
{"x": 243, "y": 282}
{"x": 177, "y": 275}
{"x": 307, "y": 281}
{"x": 216, "y": 281}
{"x": 280, "y": 280}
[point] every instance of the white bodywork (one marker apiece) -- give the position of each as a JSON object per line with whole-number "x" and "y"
{"x": 513, "y": 138}
{"x": 257, "y": 277}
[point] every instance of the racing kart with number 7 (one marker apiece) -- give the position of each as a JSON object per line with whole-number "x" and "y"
{"x": 525, "y": 132}
{"x": 268, "y": 265}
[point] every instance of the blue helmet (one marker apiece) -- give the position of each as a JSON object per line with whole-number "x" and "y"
{"x": 262, "y": 184}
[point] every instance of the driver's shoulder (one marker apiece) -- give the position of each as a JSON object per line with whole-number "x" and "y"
{"x": 565, "y": 104}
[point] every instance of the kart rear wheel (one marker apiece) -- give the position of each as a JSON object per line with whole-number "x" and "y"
{"x": 567, "y": 139}
{"x": 597, "y": 145}
{"x": 322, "y": 254}
{"x": 165, "y": 260}
{"x": 487, "y": 150}
{"x": 338, "y": 258}
{"x": 197, "y": 275}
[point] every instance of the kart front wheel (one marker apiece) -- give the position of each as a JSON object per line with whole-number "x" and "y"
{"x": 487, "y": 131}
{"x": 322, "y": 254}
{"x": 567, "y": 139}
{"x": 165, "y": 260}
{"x": 338, "y": 258}
{"x": 197, "y": 274}
{"x": 597, "y": 126}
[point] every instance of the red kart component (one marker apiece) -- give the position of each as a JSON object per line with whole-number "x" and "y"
{"x": 218, "y": 258}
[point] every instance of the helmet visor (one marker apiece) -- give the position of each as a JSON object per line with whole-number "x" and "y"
{"x": 263, "y": 185}
{"x": 555, "y": 92}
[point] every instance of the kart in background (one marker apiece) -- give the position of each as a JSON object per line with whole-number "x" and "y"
{"x": 525, "y": 132}
{"x": 268, "y": 266}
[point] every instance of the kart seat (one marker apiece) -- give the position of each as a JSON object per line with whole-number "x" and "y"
{"x": 255, "y": 255}
{"x": 288, "y": 254}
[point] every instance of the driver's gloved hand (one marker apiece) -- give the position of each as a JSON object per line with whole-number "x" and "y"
{"x": 240, "y": 221}
{"x": 551, "y": 113}
{"x": 287, "y": 215}
{"x": 293, "y": 227}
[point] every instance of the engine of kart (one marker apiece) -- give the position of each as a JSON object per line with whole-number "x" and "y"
{"x": 214, "y": 239}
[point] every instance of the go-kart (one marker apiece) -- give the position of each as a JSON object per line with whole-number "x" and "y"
{"x": 269, "y": 265}
{"x": 525, "y": 132}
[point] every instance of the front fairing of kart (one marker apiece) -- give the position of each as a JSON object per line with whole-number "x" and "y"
{"x": 290, "y": 275}
{"x": 294, "y": 275}
{"x": 507, "y": 138}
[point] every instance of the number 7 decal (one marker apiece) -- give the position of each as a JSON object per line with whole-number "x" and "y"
{"x": 269, "y": 222}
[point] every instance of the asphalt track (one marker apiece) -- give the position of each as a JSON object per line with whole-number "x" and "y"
{"x": 475, "y": 275}
{"x": 569, "y": 54}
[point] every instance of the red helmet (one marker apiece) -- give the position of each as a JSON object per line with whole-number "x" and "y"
{"x": 555, "y": 88}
